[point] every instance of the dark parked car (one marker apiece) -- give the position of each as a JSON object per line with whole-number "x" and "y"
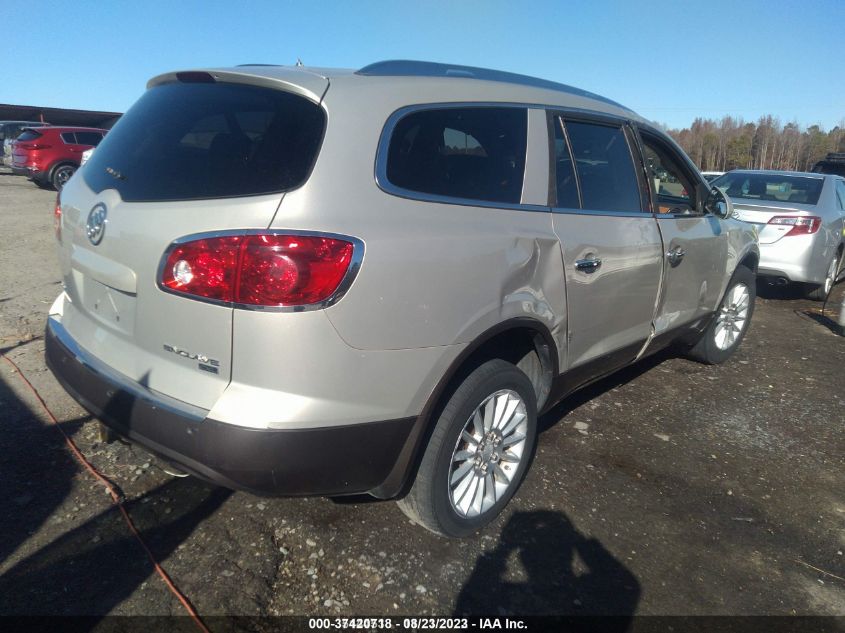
{"x": 49, "y": 156}
{"x": 833, "y": 163}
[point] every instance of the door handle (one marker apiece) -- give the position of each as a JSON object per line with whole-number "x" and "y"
{"x": 588, "y": 264}
{"x": 675, "y": 255}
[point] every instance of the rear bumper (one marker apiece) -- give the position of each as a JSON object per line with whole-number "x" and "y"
{"x": 798, "y": 258}
{"x": 323, "y": 461}
{"x": 29, "y": 172}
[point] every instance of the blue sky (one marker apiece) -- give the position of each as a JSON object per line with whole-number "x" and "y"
{"x": 670, "y": 61}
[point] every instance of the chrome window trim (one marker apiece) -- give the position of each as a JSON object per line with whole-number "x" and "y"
{"x": 400, "y": 192}
{"x": 615, "y": 214}
{"x": 358, "y": 249}
{"x": 579, "y": 114}
{"x": 557, "y": 119}
{"x": 560, "y": 117}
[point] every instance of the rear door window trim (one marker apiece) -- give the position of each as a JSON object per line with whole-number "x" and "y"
{"x": 557, "y": 114}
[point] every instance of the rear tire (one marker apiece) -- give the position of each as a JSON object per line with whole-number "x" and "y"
{"x": 820, "y": 293}
{"x": 478, "y": 453}
{"x": 730, "y": 323}
{"x": 61, "y": 174}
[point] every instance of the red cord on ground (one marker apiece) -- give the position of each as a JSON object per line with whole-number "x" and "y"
{"x": 115, "y": 499}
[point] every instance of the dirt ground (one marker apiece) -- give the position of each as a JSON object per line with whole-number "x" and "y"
{"x": 671, "y": 488}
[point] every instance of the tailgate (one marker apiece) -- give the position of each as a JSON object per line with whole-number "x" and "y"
{"x": 187, "y": 159}
{"x": 174, "y": 345}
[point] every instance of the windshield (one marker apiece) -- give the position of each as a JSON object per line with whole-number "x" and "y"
{"x": 208, "y": 140}
{"x": 771, "y": 187}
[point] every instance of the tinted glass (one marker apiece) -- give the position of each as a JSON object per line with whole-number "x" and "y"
{"x": 567, "y": 188}
{"x": 472, "y": 153}
{"x": 774, "y": 187}
{"x": 605, "y": 169}
{"x": 29, "y": 135}
{"x": 198, "y": 140}
{"x": 89, "y": 138}
{"x": 672, "y": 182}
{"x": 840, "y": 193}
{"x": 69, "y": 138}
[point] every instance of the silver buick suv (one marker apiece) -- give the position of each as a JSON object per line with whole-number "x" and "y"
{"x": 328, "y": 282}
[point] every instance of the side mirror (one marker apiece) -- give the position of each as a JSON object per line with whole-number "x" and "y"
{"x": 719, "y": 204}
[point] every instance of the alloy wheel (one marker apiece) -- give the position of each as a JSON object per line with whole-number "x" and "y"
{"x": 732, "y": 317}
{"x": 488, "y": 453}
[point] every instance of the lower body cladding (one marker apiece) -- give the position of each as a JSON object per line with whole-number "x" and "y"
{"x": 335, "y": 460}
{"x": 29, "y": 172}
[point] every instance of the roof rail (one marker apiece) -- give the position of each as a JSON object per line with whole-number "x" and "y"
{"x": 411, "y": 68}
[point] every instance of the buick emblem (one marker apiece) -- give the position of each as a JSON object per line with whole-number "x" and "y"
{"x": 95, "y": 228}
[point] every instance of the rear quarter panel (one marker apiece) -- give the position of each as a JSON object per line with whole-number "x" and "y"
{"x": 433, "y": 274}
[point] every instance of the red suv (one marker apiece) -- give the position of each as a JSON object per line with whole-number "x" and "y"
{"x": 50, "y": 155}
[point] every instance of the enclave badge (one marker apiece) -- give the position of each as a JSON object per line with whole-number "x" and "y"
{"x": 95, "y": 228}
{"x": 205, "y": 363}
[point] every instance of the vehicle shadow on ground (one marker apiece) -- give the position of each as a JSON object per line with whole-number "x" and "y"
{"x": 543, "y": 565}
{"x": 584, "y": 394}
{"x": 779, "y": 292}
{"x": 35, "y": 469}
{"x": 96, "y": 566}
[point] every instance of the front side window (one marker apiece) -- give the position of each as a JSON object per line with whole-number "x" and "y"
{"x": 189, "y": 141}
{"x": 472, "y": 153}
{"x": 604, "y": 166}
{"x": 673, "y": 184}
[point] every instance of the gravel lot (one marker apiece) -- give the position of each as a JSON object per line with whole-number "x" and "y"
{"x": 672, "y": 488}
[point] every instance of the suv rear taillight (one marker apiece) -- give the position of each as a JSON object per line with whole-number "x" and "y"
{"x": 260, "y": 269}
{"x": 33, "y": 145}
{"x": 801, "y": 225}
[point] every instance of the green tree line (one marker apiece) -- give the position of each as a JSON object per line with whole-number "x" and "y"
{"x": 767, "y": 144}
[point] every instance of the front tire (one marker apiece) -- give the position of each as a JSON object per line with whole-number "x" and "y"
{"x": 478, "y": 453}
{"x": 730, "y": 323}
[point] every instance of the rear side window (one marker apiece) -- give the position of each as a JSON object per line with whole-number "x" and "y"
{"x": 69, "y": 138}
{"x": 89, "y": 138}
{"x": 29, "y": 135}
{"x": 468, "y": 153}
{"x": 208, "y": 140}
{"x": 605, "y": 167}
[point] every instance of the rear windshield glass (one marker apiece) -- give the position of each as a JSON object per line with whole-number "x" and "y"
{"x": 29, "y": 135}
{"x": 771, "y": 187}
{"x": 197, "y": 140}
{"x": 471, "y": 153}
